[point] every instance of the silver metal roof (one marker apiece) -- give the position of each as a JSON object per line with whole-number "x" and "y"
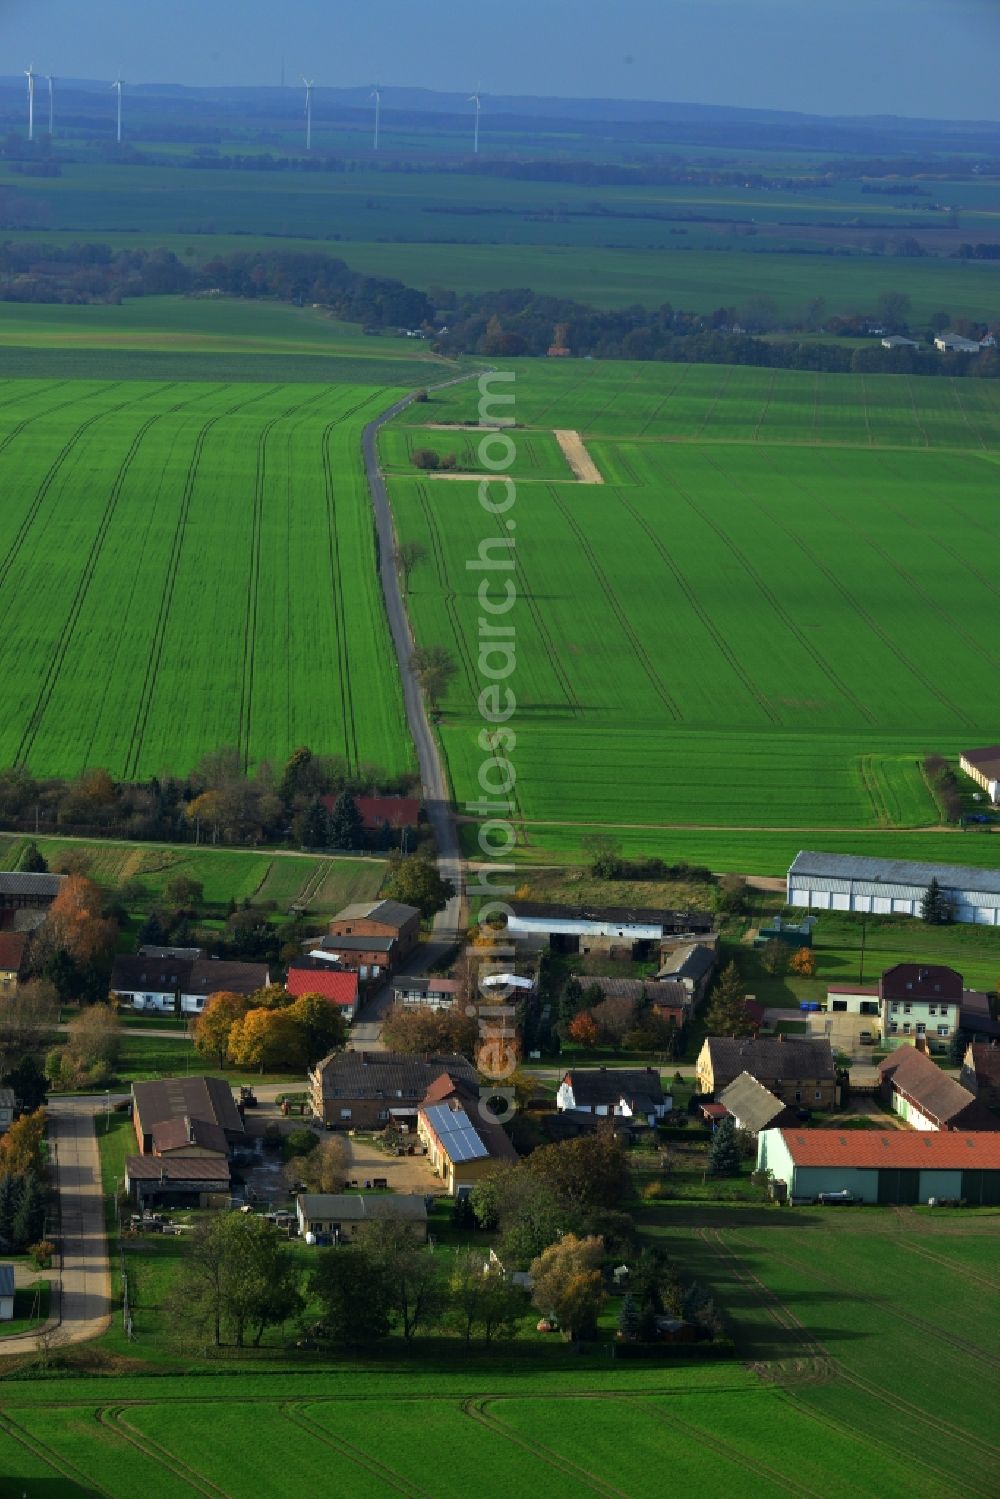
{"x": 455, "y": 1132}
{"x": 891, "y": 876}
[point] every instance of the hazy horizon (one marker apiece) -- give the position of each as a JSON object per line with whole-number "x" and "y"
{"x": 915, "y": 58}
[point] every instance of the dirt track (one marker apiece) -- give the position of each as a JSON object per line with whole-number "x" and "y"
{"x": 576, "y": 455}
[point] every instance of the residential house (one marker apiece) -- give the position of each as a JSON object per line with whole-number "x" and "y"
{"x": 338, "y": 985}
{"x": 181, "y": 954}
{"x": 8, "y": 1108}
{"x": 149, "y": 983}
{"x": 753, "y": 1107}
{"x": 12, "y": 945}
{"x": 692, "y": 966}
{"x": 210, "y": 976}
{"x": 622, "y": 1092}
{"x": 799, "y": 1070}
{"x": 426, "y": 993}
{"x": 189, "y": 1137}
{"x": 887, "y": 1166}
{"x": 981, "y": 1072}
{"x": 6, "y": 1293}
{"x": 920, "y": 1000}
{"x": 372, "y": 937}
{"x": 334, "y": 1217}
{"x": 371, "y": 1089}
{"x": 461, "y": 1145}
{"x": 892, "y": 887}
{"x": 917, "y": 1090}
{"x": 178, "y": 1181}
{"x": 206, "y": 1099}
{"x": 983, "y": 767}
{"x": 672, "y": 1001}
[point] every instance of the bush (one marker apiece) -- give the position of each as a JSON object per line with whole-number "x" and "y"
{"x": 425, "y": 458}
{"x": 299, "y": 1142}
{"x": 42, "y": 1253}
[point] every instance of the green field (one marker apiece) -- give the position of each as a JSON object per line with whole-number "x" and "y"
{"x": 777, "y": 604}
{"x": 188, "y": 566}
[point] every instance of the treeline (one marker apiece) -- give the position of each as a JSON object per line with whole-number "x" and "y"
{"x": 219, "y": 801}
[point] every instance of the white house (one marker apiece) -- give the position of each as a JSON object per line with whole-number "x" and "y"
{"x": 149, "y": 983}
{"x": 983, "y": 767}
{"x": 614, "y": 1092}
{"x": 891, "y": 887}
{"x": 425, "y": 993}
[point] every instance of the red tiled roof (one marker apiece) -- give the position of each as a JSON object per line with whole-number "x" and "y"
{"x": 928, "y": 1149}
{"x": 332, "y": 983}
{"x": 853, "y": 989}
{"x": 921, "y": 981}
{"x": 397, "y": 811}
{"x": 11, "y": 951}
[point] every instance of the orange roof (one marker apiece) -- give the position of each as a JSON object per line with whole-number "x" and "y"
{"x": 332, "y": 983}
{"x": 870, "y": 1148}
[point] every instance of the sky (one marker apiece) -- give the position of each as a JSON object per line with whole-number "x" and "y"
{"x": 930, "y": 58}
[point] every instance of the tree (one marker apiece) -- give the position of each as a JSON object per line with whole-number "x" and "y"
{"x": 324, "y": 1169}
{"x": 185, "y": 892}
{"x": 32, "y": 861}
{"x": 295, "y": 774}
{"x": 585, "y": 1174}
{"x": 583, "y": 1030}
{"x": 893, "y": 310}
{"x": 268, "y": 1040}
{"x": 408, "y": 555}
{"x": 321, "y": 1026}
{"x": 732, "y": 895}
{"x": 75, "y": 925}
{"x": 935, "y": 908}
{"x": 482, "y": 1297}
{"x": 212, "y": 1028}
{"x": 803, "y": 963}
{"x": 567, "y": 1284}
{"x": 312, "y": 829}
{"x": 93, "y": 1046}
{"x": 726, "y": 1014}
{"x": 239, "y": 1279}
{"x": 411, "y": 1274}
{"x": 28, "y": 1222}
{"x": 724, "y": 1153}
{"x": 628, "y": 1320}
{"x": 28, "y": 1082}
{"x": 425, "y": 458}
{"x": 434, "y": 666}
{"x": 21, "y": 1146}
{"x": 422, "y": 1031}
{"x": 346, "y": 826}
{"x": 353, "y": 1294}
{"x": 416, "y": 881}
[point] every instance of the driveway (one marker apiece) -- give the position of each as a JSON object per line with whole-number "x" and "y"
{"x": 405, "y": 1173}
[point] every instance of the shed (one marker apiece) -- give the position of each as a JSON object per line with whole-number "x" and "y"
{"x": 891, "y": 887}
{"x": 889, "y": 1167}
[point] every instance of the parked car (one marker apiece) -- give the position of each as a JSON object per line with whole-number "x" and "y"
{"x": 866, "y": 1038}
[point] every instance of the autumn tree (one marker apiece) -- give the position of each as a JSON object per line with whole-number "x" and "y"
{"x": 92, "y": 1049}
{"x": 76, "y": 925}
{"x": 583, "y": 1030}
{"x": 213, "y": 1025}
{"x": 321, "y": 1026}
{"x": 21, "y": 1146}
{"x": 322, "y": 1169}
{"x": 568, "y": 1285}
{"x": 420, "y": 1030}
{"x": 268, "y": 1040}
{"x": 803, "y": 963}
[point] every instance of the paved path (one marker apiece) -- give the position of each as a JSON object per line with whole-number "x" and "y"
{"x": 81, "y": 1287}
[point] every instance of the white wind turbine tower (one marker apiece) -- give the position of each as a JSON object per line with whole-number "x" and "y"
{"x": 309, "y": 112}
{"x": 377, "y": 96}
{"x": 116, "y": 88}
{"x": 52, "y": 104}
{"x": 29, "y": 73}
{"x": 477, "y": 100}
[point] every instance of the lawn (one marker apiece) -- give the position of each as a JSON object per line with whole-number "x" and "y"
{"x": 190, "y": 566}
{"x": 775, "y": 608}
{"x": 31, "y": 1309}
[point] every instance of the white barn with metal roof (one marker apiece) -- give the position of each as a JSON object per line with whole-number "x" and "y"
{"x": 891, "y": 887}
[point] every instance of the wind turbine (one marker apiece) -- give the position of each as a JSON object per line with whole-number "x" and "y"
{"x": 52, "y": 105}
{"x": 377, "y": 96}
{"x": 309, "y": 112}
{"x": 29, "y": 73}
{"x": 477, "y": 100}
{"x": 116, "y": 88}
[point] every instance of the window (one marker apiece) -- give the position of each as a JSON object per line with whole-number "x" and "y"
{"x": 895, "y": 1007}
{"x": 921, "y": 1028}
{"x": 932, "y": 1009}
{"x": 818, "y": 1094}
{"x": 906, "y": 1027}
{"x": 893, "y": 1028}
{"x": 345, "y": 1113}
{"x": 383, "y": 1113}
{"x": 798, "y": 1096}
{"x": 943, "y": 1030}
{"x": 907, "y": 1008}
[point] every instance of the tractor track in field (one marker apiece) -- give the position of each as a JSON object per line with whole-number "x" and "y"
{"x": 475, "y": 1409}
{"x": 50, "y": 1457}
{"x": 250, "y": 616}
{"x": 113, "y": 1419}
{"x": 955, "y": 1269}
{"x": 708, "y": 624}
{"x": 942, "y": 546}
{"x": 766, "y": 592}
{"x": 858, "y": 608}
{"x": 724, "y": 383}
{"x": 35, "y": 416}
{"x": 765, "y": 408}
{"x": 57, "y": 659}
{"x": 30, "y": 517}
{"x": 361, "y": 1459}
{"x": 955, "y": 389}
{"x": 447, "y": 592}
{"x": 730, "y": 1452}
{"x": 144, "y": 708}
{"x": 866, "y": 765}
{"x": 641, "y": 654}
{"x": 336, "y": 584}
{"x": 664, "y": 401}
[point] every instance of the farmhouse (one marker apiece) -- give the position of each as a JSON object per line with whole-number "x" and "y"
{"x": 955, "y": 343}
{"x": 370, "y": 1089}
{"x": 981, "y": 1073}
{"x": 587, "y": 929}
{"x": 850, "y": 882}
{"x": 983, "y": 767}
{"x": 920, "y": 1000}
{"x": 753, "y": 1107}
{"x": 619, "y": 1092}
{"x": 428, "y": 993}
{"x": 12, "y": 945}
{"x": 207, "y": 1100}
{"x": 313, "y": 976}
{"x": 799, "y": 1070}
{"x": 891, "y": 1167}
{"x": 149, "y": 983}
{"x": 181, "y": 1181}
{"x": 25, "y": 898}
{"x": 927, "y": 1098}
{"x": 214, "y": 975}
{"x": 6, "y": 1293}
{"x": 691, "y": 965}
{"x": 371, "y": 936}
{"x": 462, "y": 1149}
{"x": 334, "y": 1217}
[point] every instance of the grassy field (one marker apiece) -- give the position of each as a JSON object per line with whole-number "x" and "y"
{"x": 186, "y": 566}
{"x": 776, "y": 605}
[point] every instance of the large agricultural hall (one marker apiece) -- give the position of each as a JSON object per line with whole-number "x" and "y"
{"x": 891, "y": 887}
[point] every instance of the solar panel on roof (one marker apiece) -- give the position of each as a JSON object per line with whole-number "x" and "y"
{"x": 454, "y": 1130}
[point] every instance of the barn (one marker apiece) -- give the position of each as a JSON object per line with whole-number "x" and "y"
{"x": 891, "y": 887}
{"x": 886, "y": 1166}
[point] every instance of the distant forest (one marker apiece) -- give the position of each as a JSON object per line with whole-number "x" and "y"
{"x": 513, "y": 323}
